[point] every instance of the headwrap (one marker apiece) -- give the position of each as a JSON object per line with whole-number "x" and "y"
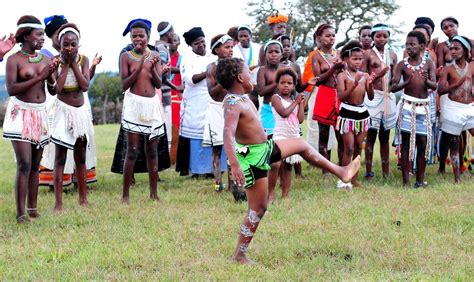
{"x": 270, "y": 42}
{"x": 244, "y": 26}
{"x": 127, "y": 29}
{"x": 425, "y": 20}
{"x": 221, "y": 40}
{"x": 192, "y": 35}
{"x": 165, "y": 30}
{"x": 53, "y": 23}
{"x": 69, "y": 29}
{"x": 278, "y": 18}
{"x": 463, "y": 41}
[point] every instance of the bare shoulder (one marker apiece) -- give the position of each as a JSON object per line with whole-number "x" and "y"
{"x": 471, "y": 67}
{"x": 233, "y": 100}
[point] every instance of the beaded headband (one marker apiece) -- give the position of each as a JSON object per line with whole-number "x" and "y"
{"x": 380, "y": 28}
{"x": 32, "y": 25}
{"x": 69, "y": 29}
{"x": 165, "y": 30}
{"x": 265, "y": 47}
{"x": 221, "y": 40}
{"x": 463, "y": 41}
{"x": 244, "y": 26}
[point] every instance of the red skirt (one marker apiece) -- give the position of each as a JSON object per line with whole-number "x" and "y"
{"x": 326, "y": 107}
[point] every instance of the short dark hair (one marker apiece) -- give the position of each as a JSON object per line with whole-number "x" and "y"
{"x": 286, "y": 71}
{"x": 420, "y": 36}
{"x": 320, "y": 29}
{"x": 234, "y": 33}
{"x": 140, "y": 24}
{"x": 227, "y": 71}
{"x": 450, "y": 19}
{"x": 423, "y": 26}
{"x": 364, "y": 27}
{"x": 427, "y": 21}
{"x": 351, "y": 46}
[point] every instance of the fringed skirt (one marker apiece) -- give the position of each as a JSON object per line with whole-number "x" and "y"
{"x": 27, "y": 122}
{"x": 353, "y": 119}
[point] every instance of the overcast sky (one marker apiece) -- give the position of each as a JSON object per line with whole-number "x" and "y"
{"x": 101, "y": 25}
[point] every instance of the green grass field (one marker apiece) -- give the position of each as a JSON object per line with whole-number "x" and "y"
{"x": 379, "y": 232}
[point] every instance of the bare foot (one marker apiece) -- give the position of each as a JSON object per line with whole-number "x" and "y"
{"x": 154, "y": 197}
{"x": 356, "y": 184}
{"x": 301, "y": 176}
{"x": 84, "y": 203}
{"x": 125, "y": 200}
{"x": 350, "y": 170}
{"x": 58, "y": 209}
{"x": 457, "y": 181}
{"x": 271, "y": 198}
{"x": 242, "y": 259}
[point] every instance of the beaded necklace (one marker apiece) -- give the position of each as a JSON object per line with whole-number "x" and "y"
{"x": 466, "y": 86}
{"x": 137, "y": 57}
{"x": 417, "y": 67}
{"x": 35, "y": 58}
{"x": 326, "y": 56}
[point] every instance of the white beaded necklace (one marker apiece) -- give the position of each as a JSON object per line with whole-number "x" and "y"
{"x": 417, "y": 67}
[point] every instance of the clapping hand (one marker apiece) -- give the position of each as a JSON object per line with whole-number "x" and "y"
{"x": 6, "y": 44}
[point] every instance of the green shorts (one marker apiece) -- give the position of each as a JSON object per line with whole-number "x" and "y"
{"x": 255, "y": 160}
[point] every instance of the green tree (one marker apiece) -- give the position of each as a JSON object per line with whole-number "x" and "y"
{"x": 305, "y": 15}
{"x": 106, "y": 87}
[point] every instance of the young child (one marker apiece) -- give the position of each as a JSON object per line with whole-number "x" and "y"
{"x": 250, "y": 153}
{"x": 354, "y": 118}
{"x": 414, "y": 119}
{"x": 288, "y": 113}
{"x": 266, "y": 84}
{"x": 299, "y": 86}
{"x": 458, "y": 111}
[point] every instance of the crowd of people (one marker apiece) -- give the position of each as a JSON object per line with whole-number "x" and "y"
{"x": 238, "y": 109}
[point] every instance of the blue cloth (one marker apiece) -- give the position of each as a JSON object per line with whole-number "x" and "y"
{"x": 421, "y": 126}
{"x": 200, "y": 158}
{"x": 266, "y": 116}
